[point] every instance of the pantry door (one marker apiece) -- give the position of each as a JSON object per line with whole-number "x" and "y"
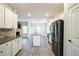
{"x": 73, "y": 30}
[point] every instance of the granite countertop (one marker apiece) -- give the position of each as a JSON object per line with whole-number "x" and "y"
{"x": 36, "y": 34}
{"x": 7, "y": 39}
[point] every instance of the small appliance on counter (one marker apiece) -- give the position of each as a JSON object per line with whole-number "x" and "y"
{"x": 18, "y": 31}
{"x": 19, "y": 25}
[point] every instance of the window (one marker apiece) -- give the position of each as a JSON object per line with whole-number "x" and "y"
{"x": 24, "y": 28}
{"x": 38, "y": 29}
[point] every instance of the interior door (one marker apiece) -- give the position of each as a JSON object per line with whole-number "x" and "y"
{"x": 73, "y": 30}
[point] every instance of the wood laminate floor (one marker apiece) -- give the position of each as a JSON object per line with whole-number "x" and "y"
{"x": 29, "y": 50}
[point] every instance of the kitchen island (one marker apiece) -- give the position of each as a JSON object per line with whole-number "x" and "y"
{"x": 36, "y": 39}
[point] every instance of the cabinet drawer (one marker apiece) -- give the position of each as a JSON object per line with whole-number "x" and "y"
{"x": 5, "y": 45}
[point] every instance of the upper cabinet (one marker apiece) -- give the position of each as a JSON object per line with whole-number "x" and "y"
{"x": 14, "y": 20}
{"x": 8, "y": 19}
{"x": 1, "y": 16}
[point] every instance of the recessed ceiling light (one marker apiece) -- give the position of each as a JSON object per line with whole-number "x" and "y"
{"x": 29, "y": 14}
{"x": 47, "y": 14}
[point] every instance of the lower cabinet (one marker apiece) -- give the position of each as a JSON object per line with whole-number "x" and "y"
{"x": 11, "y": 48}
{"x": 5, "y": 49}
{"x": 16, "y": 45}
{"x": 19, "y": 43}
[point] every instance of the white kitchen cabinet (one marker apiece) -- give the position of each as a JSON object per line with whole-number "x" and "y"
{"x": 8, "y": 18}
{"x": 16, "y": 45}
{"x": 1, "y": 16}
{"x": 5, "y": 49}
{"x": 19, "y": 43}
{"x": 11, "y": 48}
{"x": 14, "y": 20}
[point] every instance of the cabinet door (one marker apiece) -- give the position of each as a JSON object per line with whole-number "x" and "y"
{"x": 14, "y": 21}
{"x": 5, "y": 49}
{"x": 2, "y": 51}
{"x": 1, "y": 16}
{"x": 19, "y": 43}
{"x": 14, "y": 47}
{"x": 8, "y": 18}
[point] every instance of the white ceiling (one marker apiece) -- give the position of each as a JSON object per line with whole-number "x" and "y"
{"x": 38, "y": 10}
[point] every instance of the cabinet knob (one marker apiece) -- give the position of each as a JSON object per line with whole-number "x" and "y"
{"x": 1, "y": 51}
{"x": 6, "y": 44}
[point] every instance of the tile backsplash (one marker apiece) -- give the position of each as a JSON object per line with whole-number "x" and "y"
{"x": 7, "y": 32}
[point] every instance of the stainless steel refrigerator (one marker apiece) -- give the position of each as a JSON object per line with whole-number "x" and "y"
{"x": 57, "y": 32}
